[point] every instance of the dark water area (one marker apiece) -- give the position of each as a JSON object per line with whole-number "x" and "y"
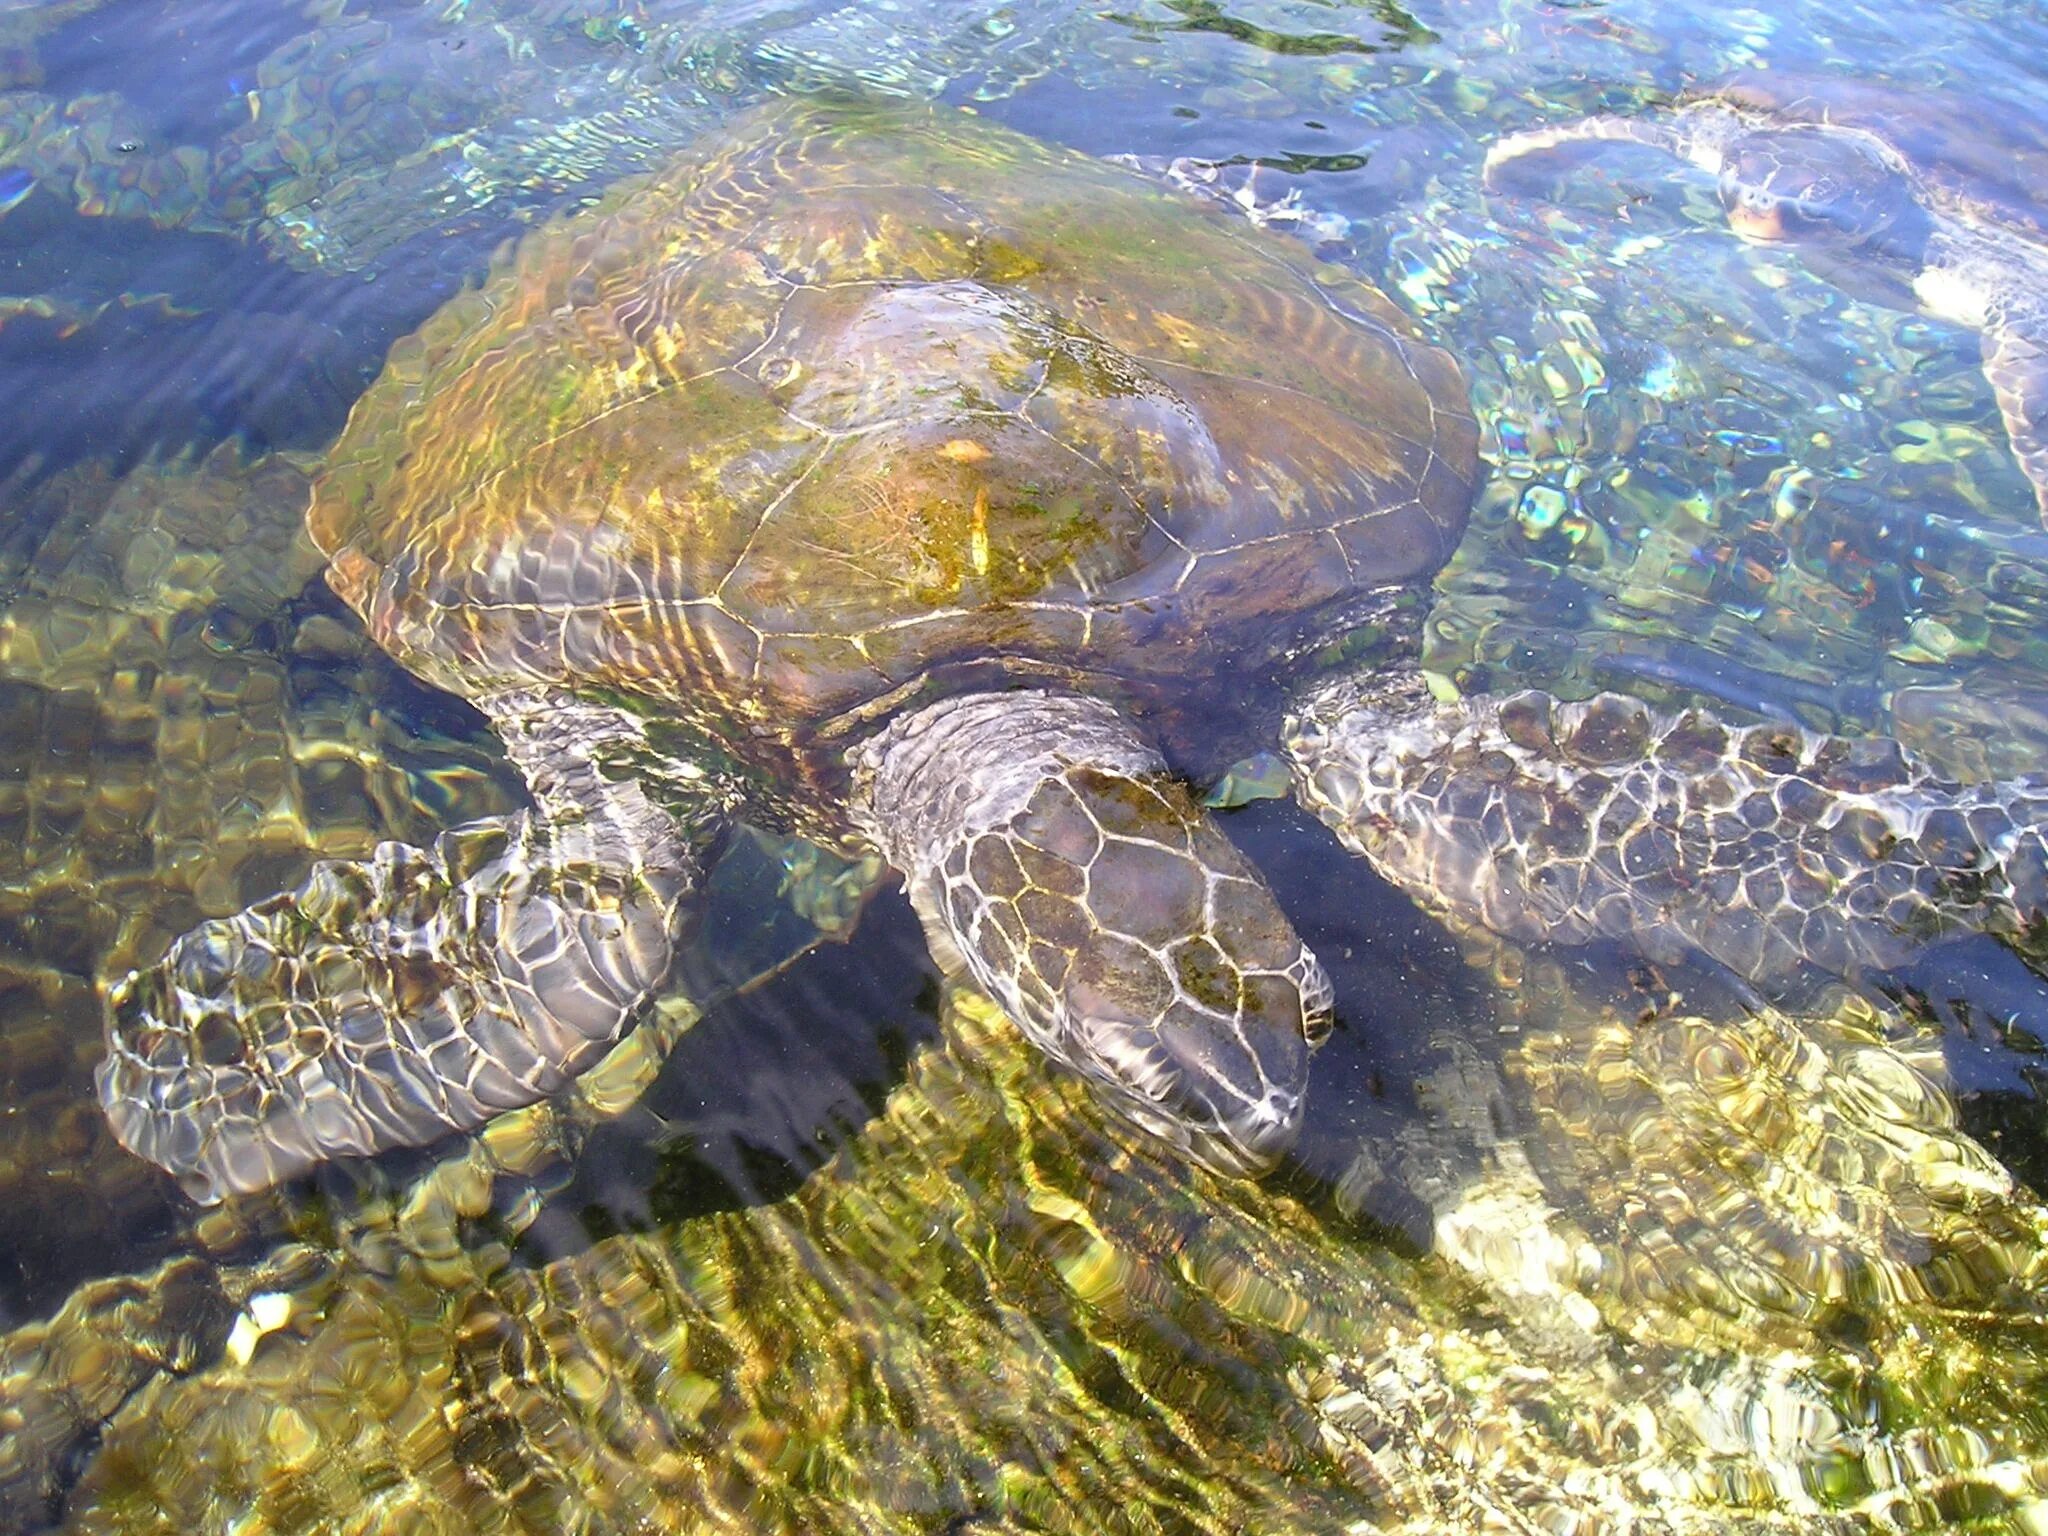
{"x": 1639, "y": 1225}
{"x": 185, "y": 70}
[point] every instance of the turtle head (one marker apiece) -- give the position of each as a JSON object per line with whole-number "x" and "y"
{"x": 1053, "y": 858}
{"x": 1813, "y": 185}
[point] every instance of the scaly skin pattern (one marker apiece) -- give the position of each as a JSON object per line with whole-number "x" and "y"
{"x": 1762, "y": 846}
{"x": 1047, "y": 845}
{"x": 386, "y": 1002}
{"x": 179, "y": 736}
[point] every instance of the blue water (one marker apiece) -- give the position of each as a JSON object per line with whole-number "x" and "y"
{"x": 1715, "y": 475}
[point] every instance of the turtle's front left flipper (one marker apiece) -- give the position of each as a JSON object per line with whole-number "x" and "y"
{"x": 1763, "y": 846}
{"x": 1050, "y": 852}
{"x": 1697, "y": 133}
{"x": 2016, "y": 363}
{"x": 388, "y": 1002}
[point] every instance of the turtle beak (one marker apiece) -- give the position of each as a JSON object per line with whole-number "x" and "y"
{"x": 1755, "y": 215}
{"x": 1758, "y": 228}
{"x": 1252, "y": 1147}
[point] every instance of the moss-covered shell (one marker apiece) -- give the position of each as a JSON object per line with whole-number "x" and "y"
{"x": 863, "y": 392}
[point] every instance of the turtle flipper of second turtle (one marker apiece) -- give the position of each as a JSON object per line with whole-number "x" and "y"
{"x": 2016, "y": 363}
{"x": 1049, "y": 851}
{"x": 1765, "y": 847}
{"x": 388, "y": 1002}
{"x": 1696, "y": 133}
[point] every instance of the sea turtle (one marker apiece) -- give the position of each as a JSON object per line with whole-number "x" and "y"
{"x": 1909, "y": 200}
{"x": 868, "y": 471}
{"x": 875, "y": 473}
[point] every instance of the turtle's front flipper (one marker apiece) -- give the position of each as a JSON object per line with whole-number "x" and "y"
{"x": 1049, "y": 850}
{"x": 2016, "y": 363}
{"x": 1698, "y": 134}
{"x": 388, "y": 1002}
{"x": 1762, "y": 846}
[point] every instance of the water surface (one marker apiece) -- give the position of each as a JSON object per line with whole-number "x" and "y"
{"x": 1571, "y": 1241}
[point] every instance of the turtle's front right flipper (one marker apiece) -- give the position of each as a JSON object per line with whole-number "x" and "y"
{"x": 2016, "y": 363}
{"x": 1765, "y": 846}
{"x": 1696, "y": 133}
{"x": 1050, "y": 852}
{"x": 388, "y": 1002}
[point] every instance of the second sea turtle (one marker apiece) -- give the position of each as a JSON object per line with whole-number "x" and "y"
{"x": 1907, "y": 199}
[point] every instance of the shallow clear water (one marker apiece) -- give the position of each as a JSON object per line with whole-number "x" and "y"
{"x": 1573, "y": 1239}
